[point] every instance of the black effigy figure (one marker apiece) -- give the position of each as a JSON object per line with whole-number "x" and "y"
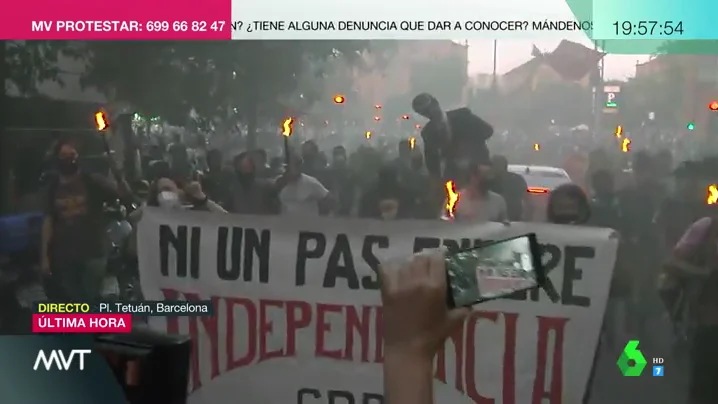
{"x": 453, "y": 139}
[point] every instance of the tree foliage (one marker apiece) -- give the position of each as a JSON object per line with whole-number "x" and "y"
{"x": 243, "y": 79}
{"x": 27, "y": 63}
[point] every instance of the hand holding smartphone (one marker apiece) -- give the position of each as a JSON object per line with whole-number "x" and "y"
{"x": 494, "y": 270}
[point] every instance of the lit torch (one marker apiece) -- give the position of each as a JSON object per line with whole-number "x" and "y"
{"x": 626, "y": 145}
{"x": 101, "y": 121}
{"x": 287, "y": 129}
{"x": 712, "y": 198}
{"x": 103, "y": 124}
{"x": 452, "y": 198}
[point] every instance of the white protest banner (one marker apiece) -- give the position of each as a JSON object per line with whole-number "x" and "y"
{"x": 297, "y": 311}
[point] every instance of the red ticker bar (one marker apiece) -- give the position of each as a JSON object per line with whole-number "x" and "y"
{"x": 127, "y": 20}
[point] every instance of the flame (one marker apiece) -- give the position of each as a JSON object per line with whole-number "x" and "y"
{"x": 712, "y": 198}
{"x": 100, "y": 121}
{"x": 367, "y": 135}
{"x": 452, "y": 198}
{"x": 412, "y": 142}
{"x": 619, "y": 131}
{"x": 288, "y": 127}
{"x": 537, "y": 147}
{"x": 626, "y": 145}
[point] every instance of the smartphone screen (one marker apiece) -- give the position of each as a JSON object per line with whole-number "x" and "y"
{"x": 493, "y": 270}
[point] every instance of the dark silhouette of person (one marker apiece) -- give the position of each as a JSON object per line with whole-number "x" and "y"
{"x": 453, "y": 140}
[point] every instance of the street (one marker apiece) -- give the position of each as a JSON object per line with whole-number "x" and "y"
{"x": 610, "y": 387}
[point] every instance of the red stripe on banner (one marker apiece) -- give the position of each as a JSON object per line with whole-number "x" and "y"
{"x": 128, "y": 20}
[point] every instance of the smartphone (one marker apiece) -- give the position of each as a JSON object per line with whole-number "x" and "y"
{"x": 494, "y": 270}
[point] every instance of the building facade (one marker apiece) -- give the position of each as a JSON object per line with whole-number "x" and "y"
{"x": 699, "y": 74}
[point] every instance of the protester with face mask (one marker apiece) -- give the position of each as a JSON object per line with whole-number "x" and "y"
{"x": 477, "y": 203}
{"x": 341, "y": 182}
{"x": 73, "y": 231}
{"x": 387, "y": 198}
{"x": 300, "y": 193}
{"x": 568, "y": 204}
{"x": 165, "y": 194}
{"x": 248, "y": 194}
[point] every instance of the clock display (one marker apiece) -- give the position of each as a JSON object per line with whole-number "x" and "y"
{"x": 648, "y": 28}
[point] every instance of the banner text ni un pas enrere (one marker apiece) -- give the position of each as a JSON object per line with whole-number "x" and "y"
{"x": 297, "y": 308}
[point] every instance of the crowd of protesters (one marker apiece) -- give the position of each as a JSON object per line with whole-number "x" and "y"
{"x": 660, "y": 215}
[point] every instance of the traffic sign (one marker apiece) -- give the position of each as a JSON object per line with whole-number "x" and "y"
{"x": 611, "y": 99}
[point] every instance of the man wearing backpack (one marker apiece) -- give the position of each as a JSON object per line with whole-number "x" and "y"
{"x": 73, "y": 231}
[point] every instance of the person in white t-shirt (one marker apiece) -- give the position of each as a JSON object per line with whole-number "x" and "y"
{"x": 301, "y": 194}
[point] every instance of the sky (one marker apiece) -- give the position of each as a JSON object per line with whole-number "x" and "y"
{"x": 513, "y": 52}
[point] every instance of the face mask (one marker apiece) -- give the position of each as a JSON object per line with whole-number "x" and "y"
{"x": 67, "y": 166}
{"x": 168, "y": 200}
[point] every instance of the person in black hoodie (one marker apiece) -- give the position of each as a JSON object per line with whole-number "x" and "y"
{"x": 452, "y": 139}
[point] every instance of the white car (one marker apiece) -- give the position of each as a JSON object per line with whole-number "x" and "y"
{"x": 541, "y": 180}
